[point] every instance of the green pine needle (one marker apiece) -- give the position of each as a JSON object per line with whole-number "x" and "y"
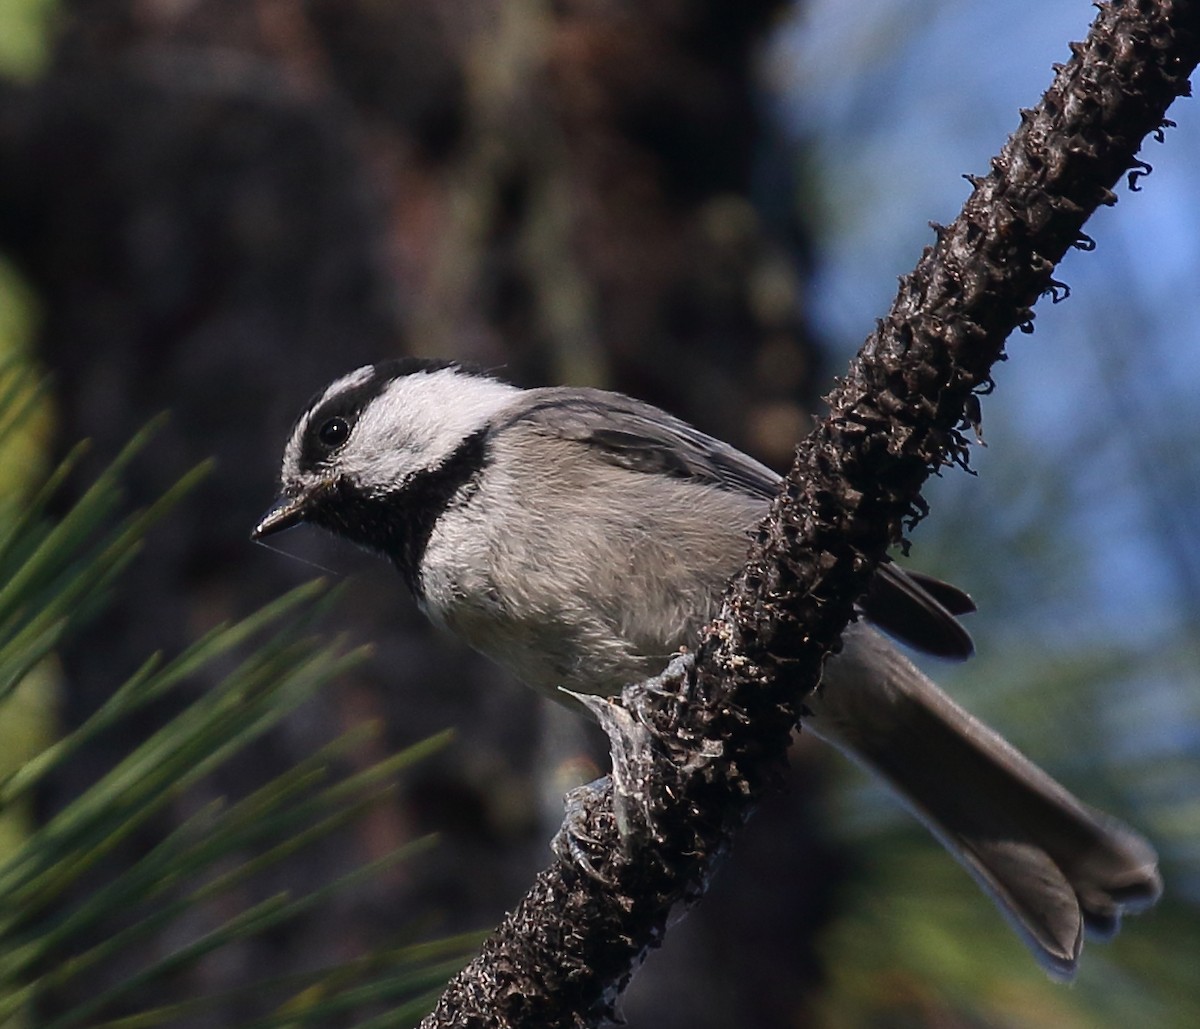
{"x": 58, "y": 925}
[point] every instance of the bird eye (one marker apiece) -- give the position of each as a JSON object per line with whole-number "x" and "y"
{"x": 334, "y": 432}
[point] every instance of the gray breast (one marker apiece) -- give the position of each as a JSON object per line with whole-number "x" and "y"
{"x": 580, "y": 573}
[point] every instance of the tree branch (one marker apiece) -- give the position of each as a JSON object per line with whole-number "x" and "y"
{"x": 695, "y": 750}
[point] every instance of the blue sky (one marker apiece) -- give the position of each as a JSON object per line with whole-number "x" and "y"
{"x": 1079, "y": 534}
{"x": 901, "y": 98}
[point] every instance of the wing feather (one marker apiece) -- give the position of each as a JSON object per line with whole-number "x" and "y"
{"x": 914, "y": 608}
{"x": 638, "y": 436}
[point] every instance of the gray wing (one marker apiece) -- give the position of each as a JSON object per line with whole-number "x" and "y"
{"x": 920, "y": 610}
{"x": 642, "y": 438}
{"x": 915, "y": 608}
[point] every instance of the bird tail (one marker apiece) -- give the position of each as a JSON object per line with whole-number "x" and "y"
{"x": 1053, "y": 865}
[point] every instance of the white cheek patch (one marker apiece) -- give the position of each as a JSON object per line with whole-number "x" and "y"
{"x": 417, "y": 422}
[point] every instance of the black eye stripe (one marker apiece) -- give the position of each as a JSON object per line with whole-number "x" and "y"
{"x": 320, "y": 438}
{"x": 334, "y": 432}
{"x": 349, "y": 403}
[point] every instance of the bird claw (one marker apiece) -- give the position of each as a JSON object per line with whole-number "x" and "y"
{"x": 575, "y": 843}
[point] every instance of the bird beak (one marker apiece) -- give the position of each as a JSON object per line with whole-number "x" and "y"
{"x": 288, "y": 510}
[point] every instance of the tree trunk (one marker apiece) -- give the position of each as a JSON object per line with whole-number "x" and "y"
{"x": 224, "y": 205}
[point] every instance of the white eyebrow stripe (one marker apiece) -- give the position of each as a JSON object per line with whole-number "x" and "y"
{"x": 348, "y": 381}
{"x": 418, "y": 420}
{"x": 291, "y": 452}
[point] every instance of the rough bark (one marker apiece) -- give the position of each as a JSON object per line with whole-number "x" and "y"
{"x": 694, "y": 752}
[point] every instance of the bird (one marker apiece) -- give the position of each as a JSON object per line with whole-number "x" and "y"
{"x": 580, "y": 538}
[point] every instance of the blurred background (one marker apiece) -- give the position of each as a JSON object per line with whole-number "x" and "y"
{"x": 216, "y": 206}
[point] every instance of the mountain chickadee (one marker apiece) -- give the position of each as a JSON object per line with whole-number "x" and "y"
{"x": 580, "y": 538}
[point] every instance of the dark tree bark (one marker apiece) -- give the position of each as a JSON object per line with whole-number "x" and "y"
{"x": 694, "y": 753}
{"x": 223, "y": 205}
